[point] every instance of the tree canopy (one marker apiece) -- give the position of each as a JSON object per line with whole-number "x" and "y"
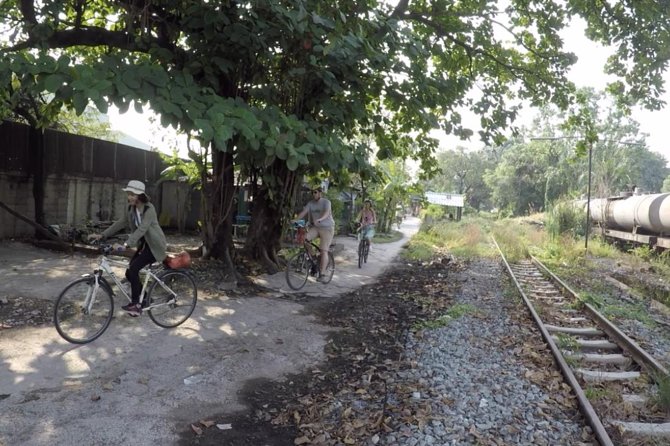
{"x": 280, "y": 88}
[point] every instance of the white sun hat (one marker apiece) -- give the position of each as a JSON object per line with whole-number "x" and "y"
{"x": 136, "y": 187}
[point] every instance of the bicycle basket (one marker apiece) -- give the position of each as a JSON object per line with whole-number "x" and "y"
{"x": 180, "y": 260}
{"x": 300, "y": 235}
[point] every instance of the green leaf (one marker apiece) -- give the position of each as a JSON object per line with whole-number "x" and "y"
{"x": 292, "y": 164}
{"x": 281, "y": 152}
{"x": 129, "y": 78}
{"x": 123, "y": 105}
{"x": 53, "y": 82}
{"x": 80, "y": 101}
{"x": 305, "y": 148}
{"x": 206, "y": 129}
{"x": 222, "y": 134}
{"x": 63, "y": 63}
{"x": 101, "y": 104}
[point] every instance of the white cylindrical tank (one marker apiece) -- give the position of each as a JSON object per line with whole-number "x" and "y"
{"x": 650, "y": 212}
{"x": 598, "y": 210}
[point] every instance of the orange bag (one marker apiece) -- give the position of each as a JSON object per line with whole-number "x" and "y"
{"x": 176, "y": 261}
{"x": 300, "y": 235}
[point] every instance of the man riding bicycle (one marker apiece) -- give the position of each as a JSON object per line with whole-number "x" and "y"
{"x": 318, "y": 209}
{"x": 367, "y": 218}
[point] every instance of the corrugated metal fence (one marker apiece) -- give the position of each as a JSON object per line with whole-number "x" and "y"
{"x": 84, "y": 177}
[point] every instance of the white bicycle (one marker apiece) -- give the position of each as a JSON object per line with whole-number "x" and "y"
{"x": 85, "y": 308}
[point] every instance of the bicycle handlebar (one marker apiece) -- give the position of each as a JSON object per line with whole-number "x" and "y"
{"x": 108, "y": 249}
{"x": 362, "y": 226}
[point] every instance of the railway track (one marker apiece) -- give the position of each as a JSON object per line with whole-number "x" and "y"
{"x": 614, "y": 379}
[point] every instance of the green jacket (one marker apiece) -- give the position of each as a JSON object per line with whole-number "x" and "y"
{"x": 148, "y": 228}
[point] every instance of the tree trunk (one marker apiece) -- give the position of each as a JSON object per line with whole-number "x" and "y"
{"x": 264, "y": 233}
{"x": 217, "y": 204}
{"x": 37, "y": 162}
{"x": 265, "y": 229}
{"x": 385, "y": 223}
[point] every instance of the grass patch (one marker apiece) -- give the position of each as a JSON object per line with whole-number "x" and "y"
{"x": 597, "y": 393}
{"x": 460, "y": 310}
{"x": 471, "y": 238}
{"x": 662, "y": 397}
{"x": 636, "y": 312}
{"x": 464, "y": 239}
{"x": 454, "y": 312}
{"x": 571, "y": 361}
{"x": 390, "y": 237}
{"x": 591, "y": 299}
{"x": 567, "y": 342}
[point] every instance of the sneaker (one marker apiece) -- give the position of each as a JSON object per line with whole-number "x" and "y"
{"x": 133, "y": 310}
{"x": 322, "y": 279}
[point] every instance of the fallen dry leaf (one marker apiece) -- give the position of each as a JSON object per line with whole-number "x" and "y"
{"x": 196, "y": 429}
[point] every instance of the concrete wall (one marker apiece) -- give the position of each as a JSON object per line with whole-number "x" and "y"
{"x": 84, "y": 181}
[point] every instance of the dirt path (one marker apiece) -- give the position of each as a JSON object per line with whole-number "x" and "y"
{"x": 139, "y": 384}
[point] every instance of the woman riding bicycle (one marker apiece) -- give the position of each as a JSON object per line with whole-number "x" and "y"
{"x": 146, "y": 235}
{"x": 367, "y": 218}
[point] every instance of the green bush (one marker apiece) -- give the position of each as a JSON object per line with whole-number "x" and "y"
{"x": 565, "y": 219}
{"x": 644, "y": 252}
{"x": 338, "y": 210}
{"x": 433, "y": 213}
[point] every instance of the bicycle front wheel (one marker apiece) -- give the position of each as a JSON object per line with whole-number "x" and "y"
{"x": 172, "y": 298}
{"x": 82, "y": 313}
{"x": 361, "y": 253}
{"x": 366, "y": 251}
{"x": 297, "y": 270}
{"x": 330, "y": 269}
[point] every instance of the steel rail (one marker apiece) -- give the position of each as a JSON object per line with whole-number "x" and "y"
{"x": 626, "y": 343}
{"x": 585, "y": 406}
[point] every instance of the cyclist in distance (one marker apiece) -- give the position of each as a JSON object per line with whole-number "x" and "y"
{"x": 367, "y": 218}
{"x": 146, "y": 235}
{"x": 322, "y": 225}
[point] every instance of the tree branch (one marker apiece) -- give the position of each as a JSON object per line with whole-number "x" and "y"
{"x": 401, "y": 8}
{"x": 35, "y": 225}
{"x": 515, "y": 69}
{"x": 28, "y": 11}
{"x": 84, "y": 37}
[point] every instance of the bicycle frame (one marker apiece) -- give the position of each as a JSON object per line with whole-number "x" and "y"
{"x": 105, "y": 266}
{"x": 301, "y": 232}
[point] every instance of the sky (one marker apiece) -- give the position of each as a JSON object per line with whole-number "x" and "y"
{"x": 587, "y": 72}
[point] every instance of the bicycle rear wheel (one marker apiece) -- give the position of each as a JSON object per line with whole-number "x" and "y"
{"x": 297, "y": 270}
{"x": 82, "y": 313}
{"x": 330, "y": 269}
{"x": 172, "y": 298}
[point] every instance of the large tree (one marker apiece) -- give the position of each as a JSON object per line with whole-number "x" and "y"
{"x": 549, "y": 166}
{"x": 462, "y": 172}
{"x": 278, "y": 89}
